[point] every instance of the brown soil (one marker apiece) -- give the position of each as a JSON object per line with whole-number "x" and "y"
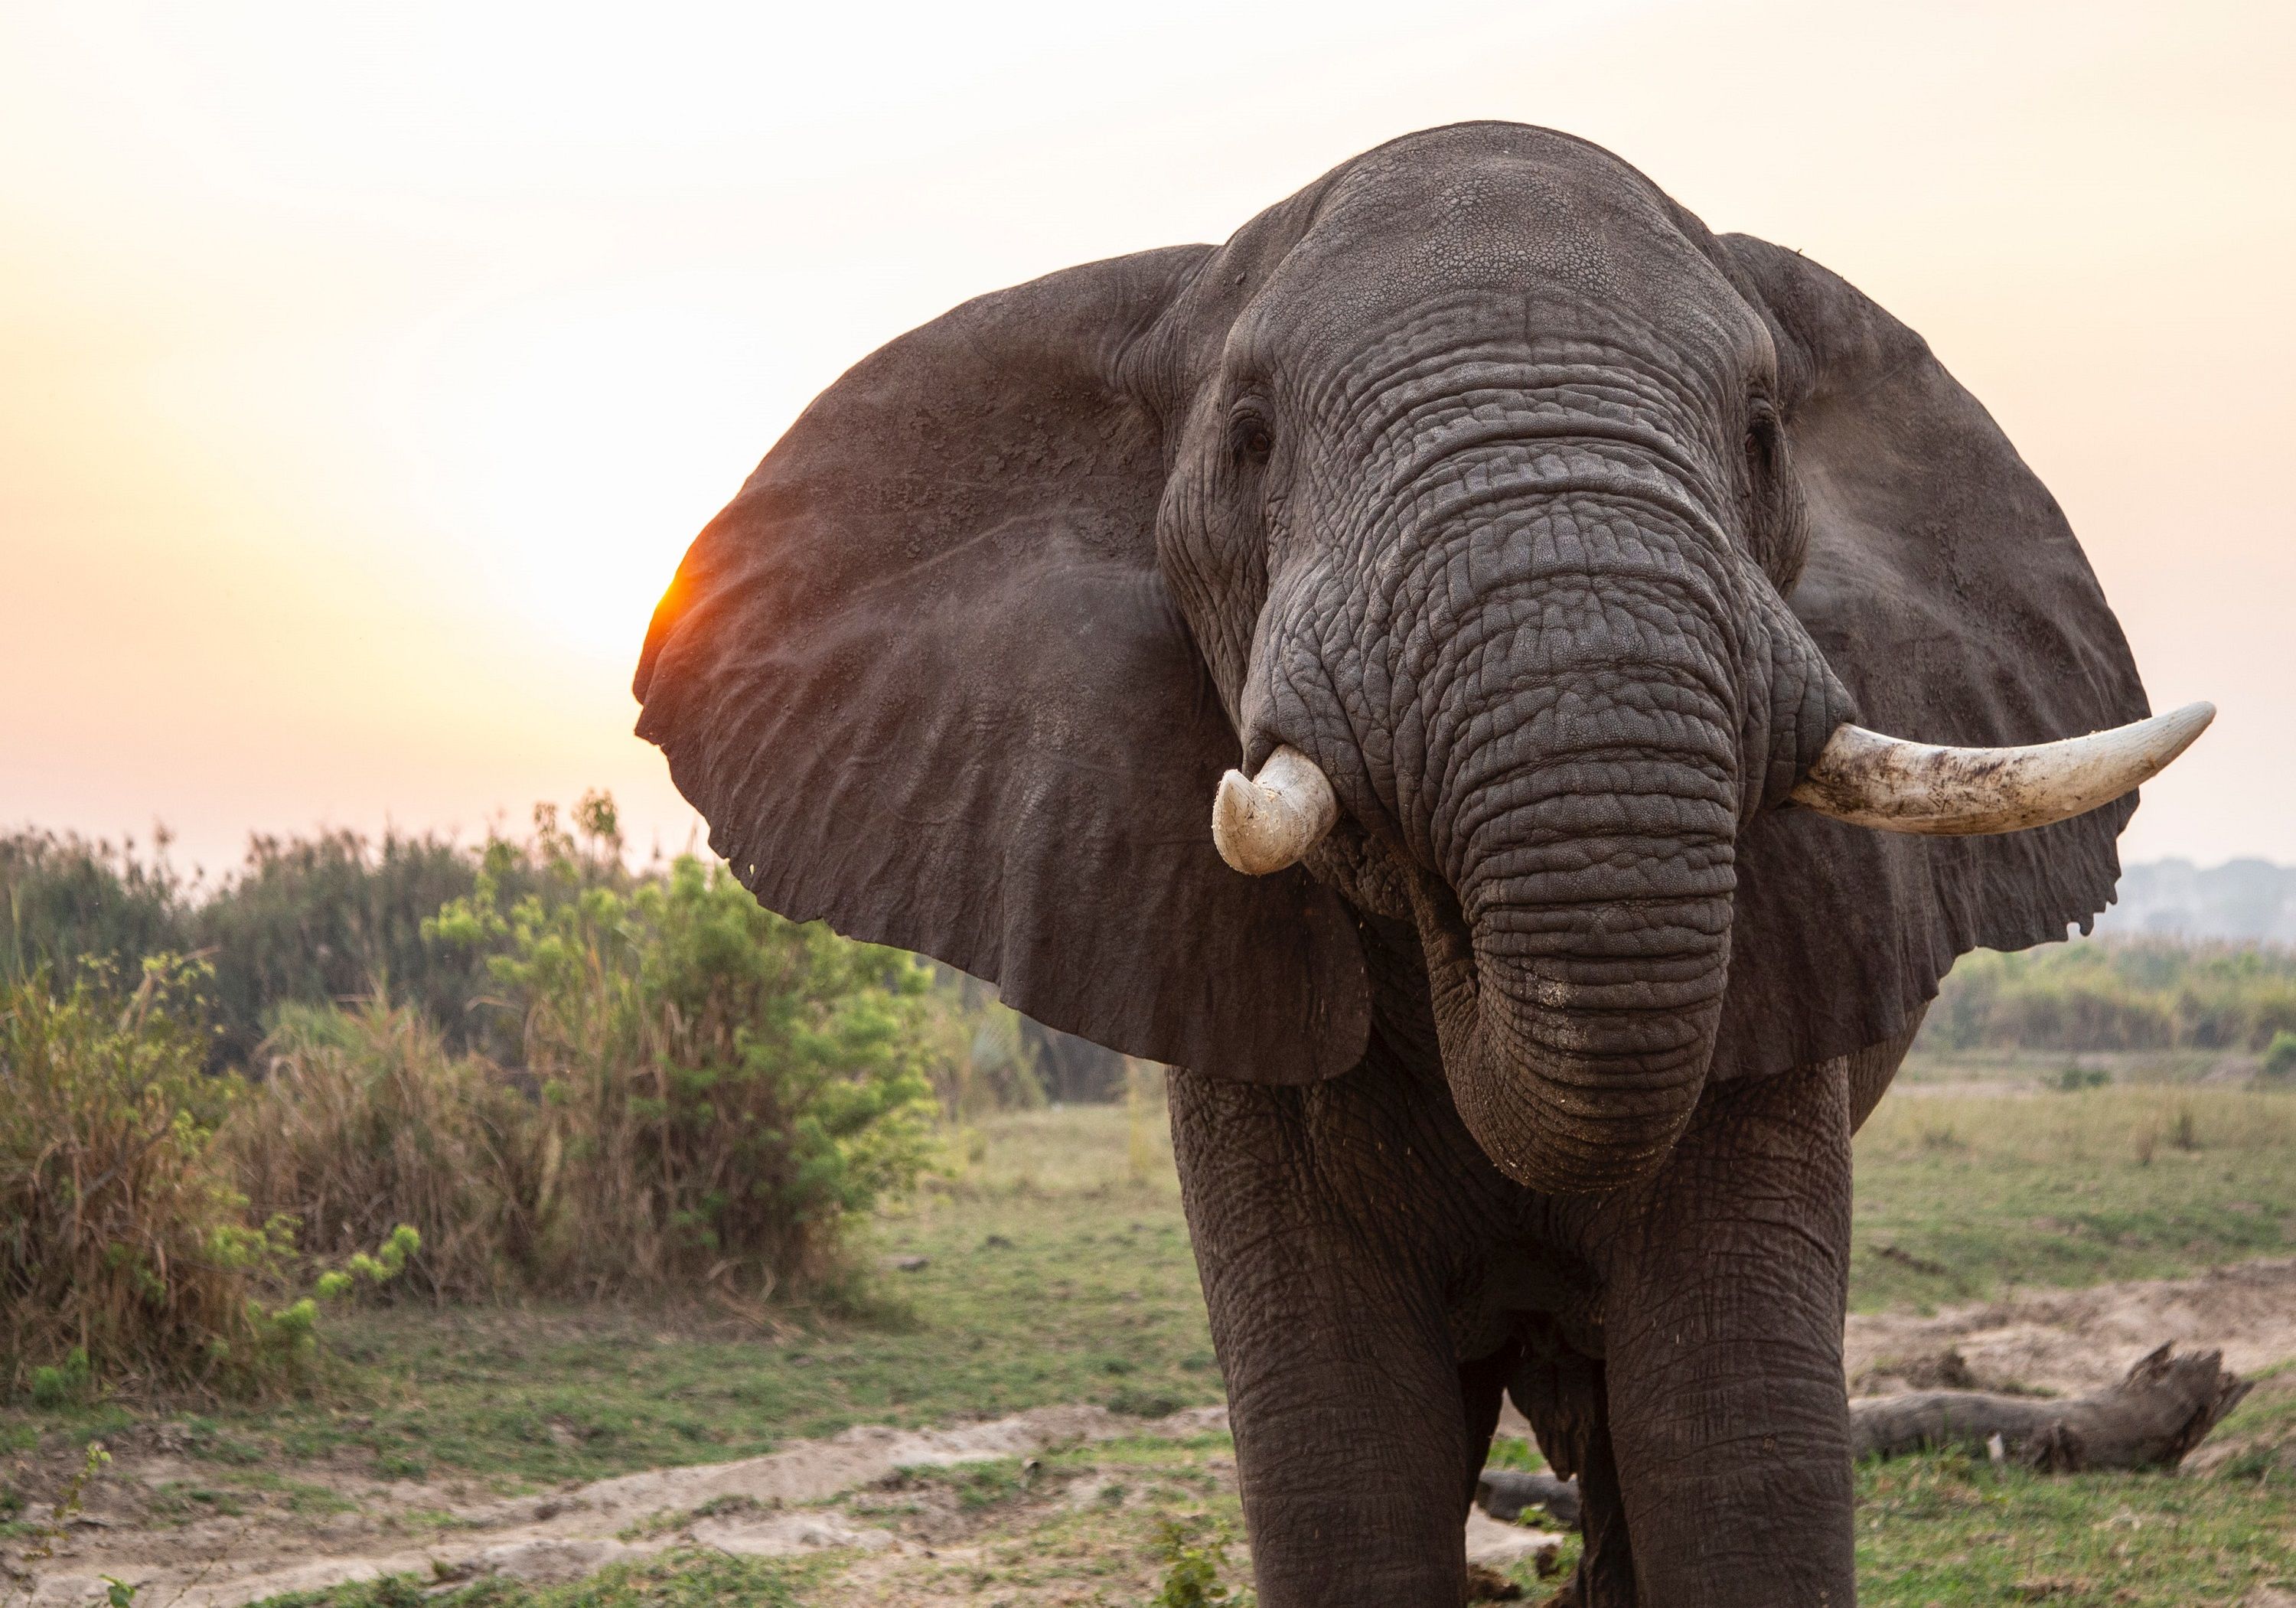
{"x": 2066, "y": 1342}
{"x": 757, "y": 1505}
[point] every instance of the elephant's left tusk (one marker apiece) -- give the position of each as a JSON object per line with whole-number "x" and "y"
{"x": 1887, "y": 783}
{"x": 1263, "y": 823}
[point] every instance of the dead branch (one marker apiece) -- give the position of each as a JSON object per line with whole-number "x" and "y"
{"x": 2164, "y": 1408}
{"x": 2151, "y": 1419}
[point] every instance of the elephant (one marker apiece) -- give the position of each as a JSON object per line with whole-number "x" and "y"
{"x": 1522, "y": 580}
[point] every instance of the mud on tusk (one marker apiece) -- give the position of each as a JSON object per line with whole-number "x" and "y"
{"x": 1887, "y": 783}
{"x": 1263, "y": 823}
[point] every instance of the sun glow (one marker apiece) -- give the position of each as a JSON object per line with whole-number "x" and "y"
{"x": 370, "y": 368}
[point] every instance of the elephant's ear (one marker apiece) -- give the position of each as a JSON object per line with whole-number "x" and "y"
{"x": 1946, "y": 590}
{"x": 923, "y": 680}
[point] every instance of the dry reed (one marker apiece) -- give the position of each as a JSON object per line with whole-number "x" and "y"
{"x": 125, "y": 1254}
{"x": 364, "y": 1120}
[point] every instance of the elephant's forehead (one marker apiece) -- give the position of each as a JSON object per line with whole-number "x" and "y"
{"x": 1521, "y": 219}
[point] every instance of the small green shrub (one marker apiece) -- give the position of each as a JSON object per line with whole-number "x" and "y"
{"x": 66, "y": 1383}
{"x": 69, "y": 1502}
{"x": 2280, "y": 1057}
{"x": 1195, "y": 1552}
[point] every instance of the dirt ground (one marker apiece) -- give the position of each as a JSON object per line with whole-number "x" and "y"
{"x": 803, "y": 1499}
{"x": 2065, "y": 1342}
{"x": 764, "y": 1505}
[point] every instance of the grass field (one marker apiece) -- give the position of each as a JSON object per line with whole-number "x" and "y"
{"x": 1055, "y": 1268}
{"x": 1959, "y": 1195}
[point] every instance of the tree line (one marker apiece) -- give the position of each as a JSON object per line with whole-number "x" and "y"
{"x": 2118, "y": 993}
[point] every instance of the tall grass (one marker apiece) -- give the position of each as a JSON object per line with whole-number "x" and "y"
{"x": 703, "y": 1095}
{"x": 363, "y": 1119}
{"x": 126, "y": 1253}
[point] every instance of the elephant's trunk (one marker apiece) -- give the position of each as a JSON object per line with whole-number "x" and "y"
{"x": 1601, "y": 719}
{"x": 1577, "y": 994}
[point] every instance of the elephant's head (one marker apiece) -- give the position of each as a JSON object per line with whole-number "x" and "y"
{"x": 1531, "y": 548}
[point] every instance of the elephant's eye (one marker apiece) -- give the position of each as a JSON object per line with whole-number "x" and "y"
{"x": 1761, "y": 446}
{"x": 1254, "y": 441}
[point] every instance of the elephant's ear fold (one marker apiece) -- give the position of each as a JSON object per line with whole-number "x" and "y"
{"x": 1945, "y": 587}
{"x": 923, "y": 680}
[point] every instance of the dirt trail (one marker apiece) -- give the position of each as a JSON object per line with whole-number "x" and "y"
{"x": 2066, "y": 1341}
{"x": 769, "y": 1505}
{"x": 759, "y": 1506}
{"x": 2070, "y": 1341}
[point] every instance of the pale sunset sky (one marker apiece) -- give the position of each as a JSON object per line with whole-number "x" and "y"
{"x": 366, "y": 369}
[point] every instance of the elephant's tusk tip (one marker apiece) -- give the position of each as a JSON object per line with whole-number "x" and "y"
{"x": 1873, "y": 780}
{"x": 1262, "y": 824}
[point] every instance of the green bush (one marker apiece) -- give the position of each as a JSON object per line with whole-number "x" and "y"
{"x": 719, "y": 1089}
{"x": 1194, "y": 1554}
{"x": 2280, "y": 1057}
{"x": 127, "y": 1257}
{"x": 565, "y": 1077}
{"x": 65, "y": 901}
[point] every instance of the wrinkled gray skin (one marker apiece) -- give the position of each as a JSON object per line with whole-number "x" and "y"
{"x": 1561, "y": 533}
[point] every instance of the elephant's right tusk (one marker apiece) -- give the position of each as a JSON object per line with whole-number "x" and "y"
{"x": 1263, "y": 823}
{"x": 1887, "y": 783}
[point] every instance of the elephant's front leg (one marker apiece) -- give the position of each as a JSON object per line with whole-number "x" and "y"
{"x": 1344, "y": 1392}
{"x": 1728, "y": 1415}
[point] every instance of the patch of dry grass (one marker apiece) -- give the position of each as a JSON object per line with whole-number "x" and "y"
{"x": 2112, "y": 1125}
{"x": 125, "y": 1254}
{"x": 362, "y": 1121}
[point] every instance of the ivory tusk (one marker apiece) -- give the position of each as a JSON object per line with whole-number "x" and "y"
{"x": 1887, "y": 783}
{"x": 1263, "y": 823}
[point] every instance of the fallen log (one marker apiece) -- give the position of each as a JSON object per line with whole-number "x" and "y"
{"x": 1505, "y": 1492}
{"x": 2164, "y": 1407}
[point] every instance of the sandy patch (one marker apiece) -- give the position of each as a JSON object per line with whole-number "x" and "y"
{"x": 756, "y": 1506}
{"x": 2070, "y": 1341}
